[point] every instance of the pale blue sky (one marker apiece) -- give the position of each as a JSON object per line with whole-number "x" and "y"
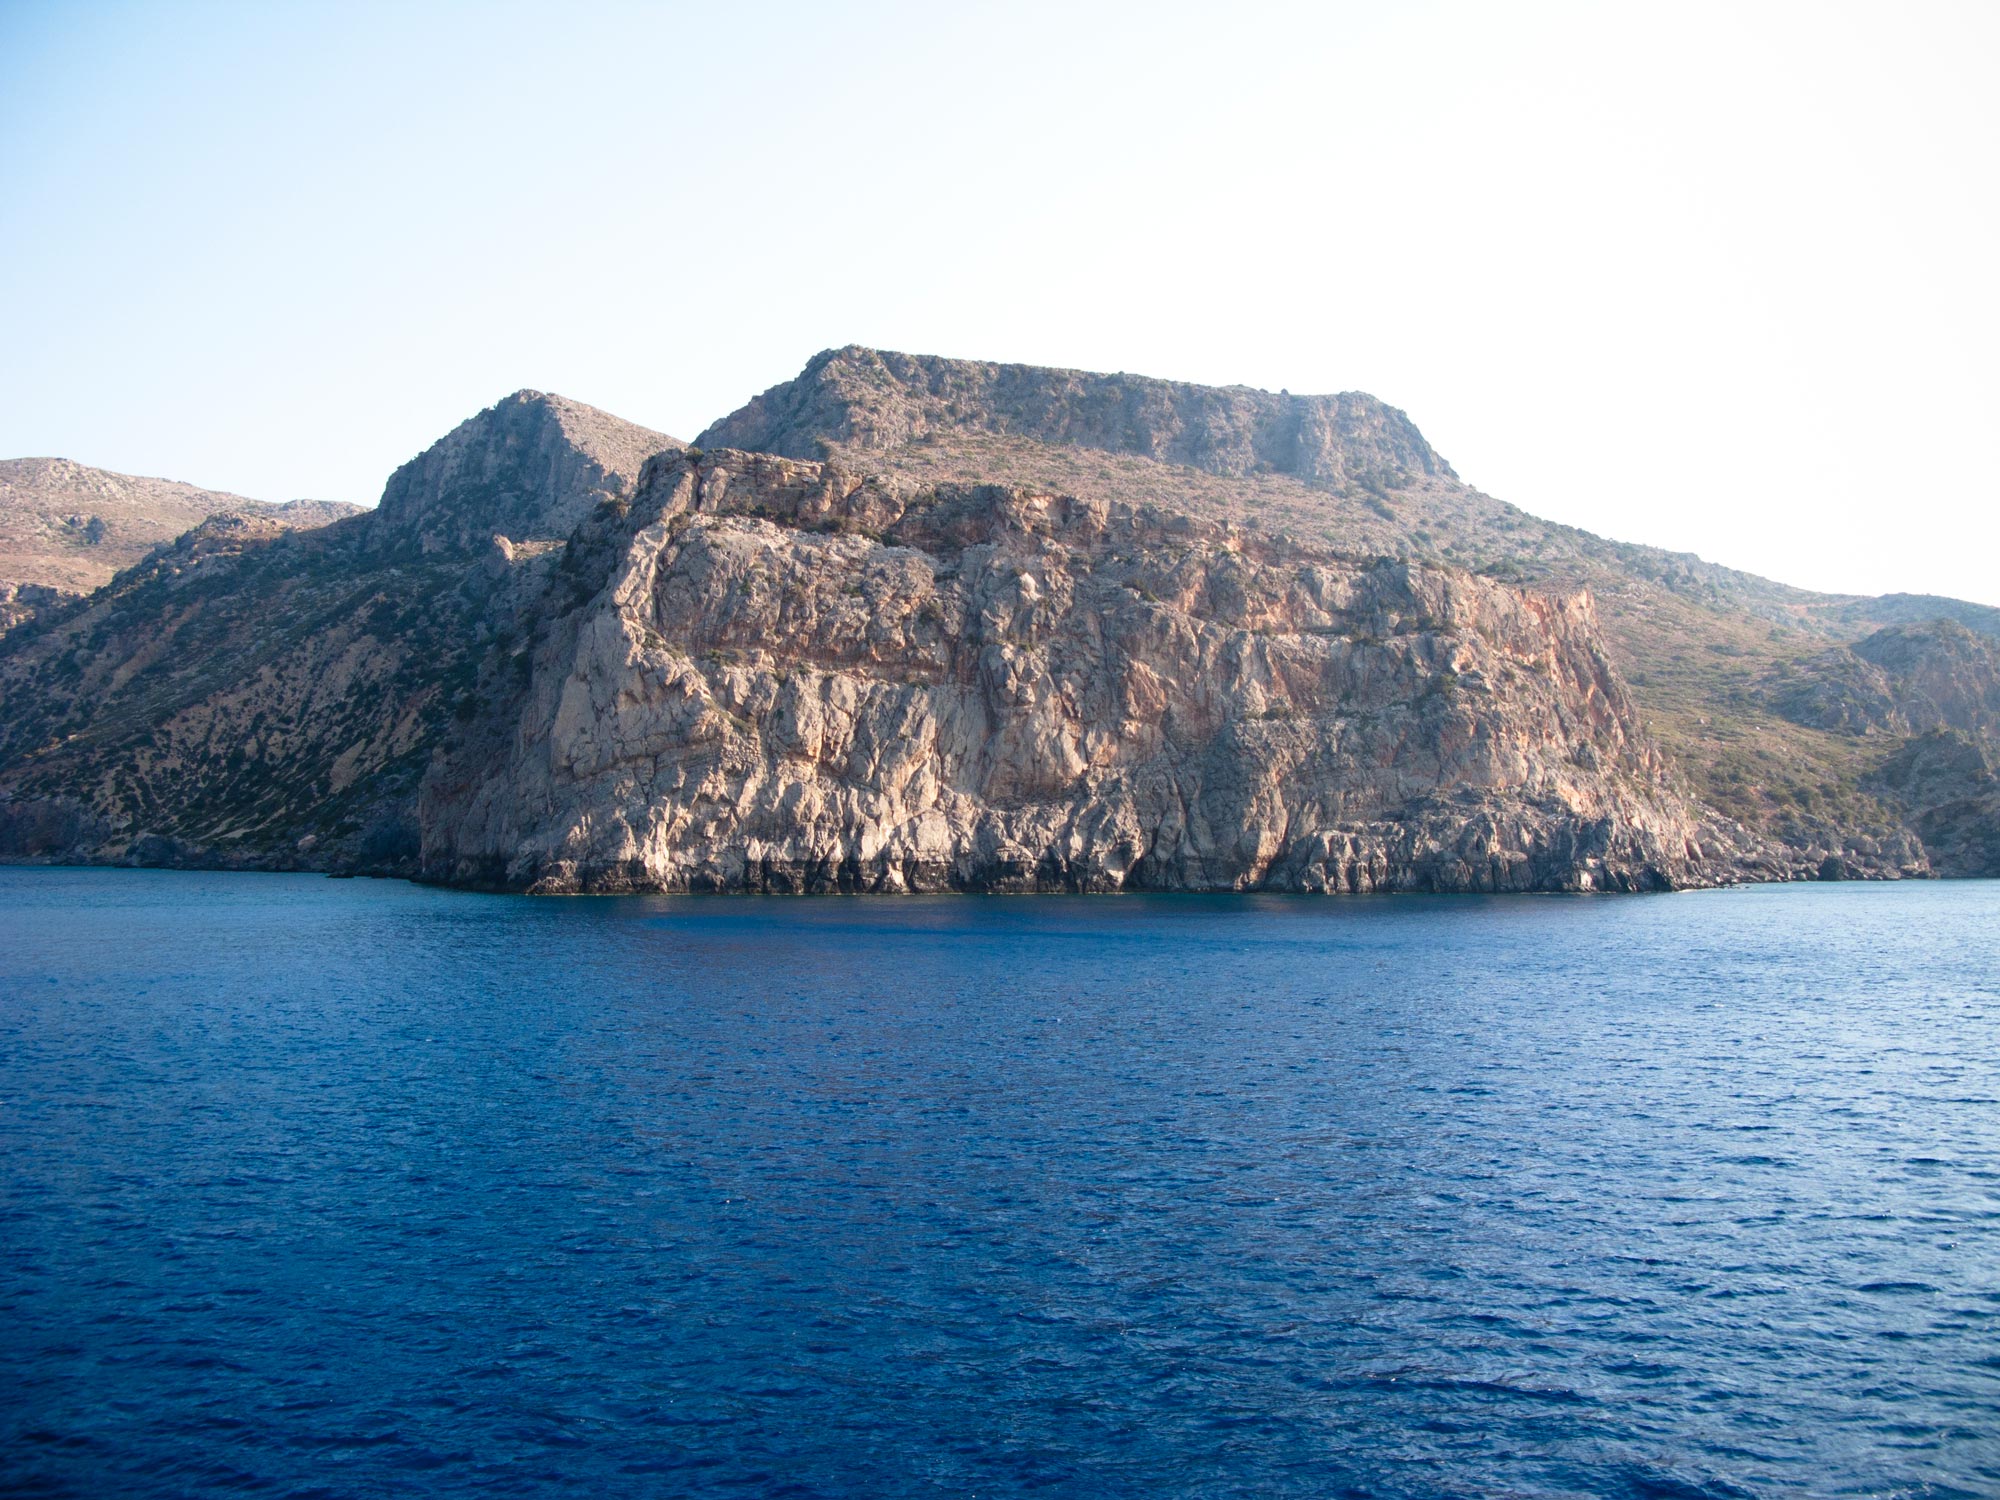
{"x": 1717, "y": 277}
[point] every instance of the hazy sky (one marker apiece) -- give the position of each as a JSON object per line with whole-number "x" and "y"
{"x": 1716, "y": 277}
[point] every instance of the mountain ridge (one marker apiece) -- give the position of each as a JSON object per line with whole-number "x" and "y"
{"x": 859, "y": 398}
{"x": 1798, "y": 734}
{"x": 67, "y": 528}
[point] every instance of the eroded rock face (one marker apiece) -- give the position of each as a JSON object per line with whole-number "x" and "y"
{"x": 773, "y": 675}
{"x": 1748, "y": 686}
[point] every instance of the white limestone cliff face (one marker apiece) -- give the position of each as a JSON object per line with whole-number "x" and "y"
{"x": 773, "y": 675}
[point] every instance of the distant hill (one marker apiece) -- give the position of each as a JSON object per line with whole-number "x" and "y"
{"x": 66, "y": 528}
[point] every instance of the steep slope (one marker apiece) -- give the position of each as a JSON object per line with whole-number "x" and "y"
{"x": 773, "y": 675}
{"x": 1715, "y": 658}
{"x": 1950, "y": 782}
{"x": 66, "y": 529}
{"x": 253, "y": 695}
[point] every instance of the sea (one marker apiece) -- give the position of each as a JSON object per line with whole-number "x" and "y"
{"x": 346, "y": 1188}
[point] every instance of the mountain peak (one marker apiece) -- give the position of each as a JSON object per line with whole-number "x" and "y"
{"x": 530, "y": 466}
{"x": 856, "y": 398}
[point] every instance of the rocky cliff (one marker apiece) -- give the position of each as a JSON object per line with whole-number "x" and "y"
{"x": 774, "y": 675}
{"x": 1719, "y": 662}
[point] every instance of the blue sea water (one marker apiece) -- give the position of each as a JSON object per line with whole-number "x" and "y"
{"x": 317, "y": 1188}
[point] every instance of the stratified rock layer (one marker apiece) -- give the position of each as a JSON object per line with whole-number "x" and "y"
{"x": 772, "y": 675}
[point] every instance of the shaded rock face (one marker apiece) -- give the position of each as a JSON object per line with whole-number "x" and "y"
{"x": 257, "y": 696}
{"x": 860, "y": 399}
{"x": 1943, "y": 675}
{"x": 528, "y": 468}
{"x": 21, "y": 602}
{"x": 1902, "y": 680}
{"x": 1949, "y": 782}
{"x": 772, "y": 675}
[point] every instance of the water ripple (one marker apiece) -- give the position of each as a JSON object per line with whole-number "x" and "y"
{"x": 353, "y": 1189}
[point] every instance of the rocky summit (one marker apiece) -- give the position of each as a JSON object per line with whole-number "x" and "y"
{"x": 907, "y": 623}
{"x": 268, "y": 698}
{"x": 864, "y": 399}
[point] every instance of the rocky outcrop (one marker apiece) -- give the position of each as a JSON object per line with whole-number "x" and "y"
{"x": 1902, "y": 680}
{"x": 1835, "y": 690}
{"x": 528, "y": 468}
{"x": 1942, "y": 675}
{"x": 853, "y": 400}
{"x": 773, "y": 675}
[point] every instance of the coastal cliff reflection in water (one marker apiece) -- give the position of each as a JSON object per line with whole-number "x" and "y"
{"x": 358, "y": 1189}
